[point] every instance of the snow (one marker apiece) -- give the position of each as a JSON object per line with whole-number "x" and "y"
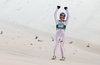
{"x": 21, "y": 21}
{"x": 19, "y": 45}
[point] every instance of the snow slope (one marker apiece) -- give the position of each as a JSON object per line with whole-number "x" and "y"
{"x": 19, "y": 46}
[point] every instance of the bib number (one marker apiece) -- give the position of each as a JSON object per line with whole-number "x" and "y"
{"x": 61, "y": 26}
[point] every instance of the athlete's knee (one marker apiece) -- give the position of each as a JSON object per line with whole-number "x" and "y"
{"x": 61, "y": 41}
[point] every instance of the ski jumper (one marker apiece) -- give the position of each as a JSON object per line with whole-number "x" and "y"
{"x": 60, "y": 31}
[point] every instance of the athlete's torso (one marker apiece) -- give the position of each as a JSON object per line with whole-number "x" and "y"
{"x": 61, "y": 24}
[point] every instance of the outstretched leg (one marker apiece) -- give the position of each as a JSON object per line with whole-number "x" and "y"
{"x": 56, "y": 44}
{"x": 62, "y": 45}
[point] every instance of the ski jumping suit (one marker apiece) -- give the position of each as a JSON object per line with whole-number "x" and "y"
{"x": 60, "y": 30}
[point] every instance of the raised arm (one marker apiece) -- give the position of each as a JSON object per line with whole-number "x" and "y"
{"x": 67, "y": 12}
{"x": 55, "y": 14}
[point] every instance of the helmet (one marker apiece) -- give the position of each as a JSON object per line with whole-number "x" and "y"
{"x": 62, "y": 14}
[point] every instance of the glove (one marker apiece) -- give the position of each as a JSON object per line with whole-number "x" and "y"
{"x": 65, "y": 8}
{"x": 58, "y": 7}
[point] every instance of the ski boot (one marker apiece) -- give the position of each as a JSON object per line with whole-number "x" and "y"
{"x": 62, "y": 59}
{"x": 54, "y": 57}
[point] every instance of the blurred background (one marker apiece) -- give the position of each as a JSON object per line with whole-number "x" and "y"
{"x": 84, "y": 22}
